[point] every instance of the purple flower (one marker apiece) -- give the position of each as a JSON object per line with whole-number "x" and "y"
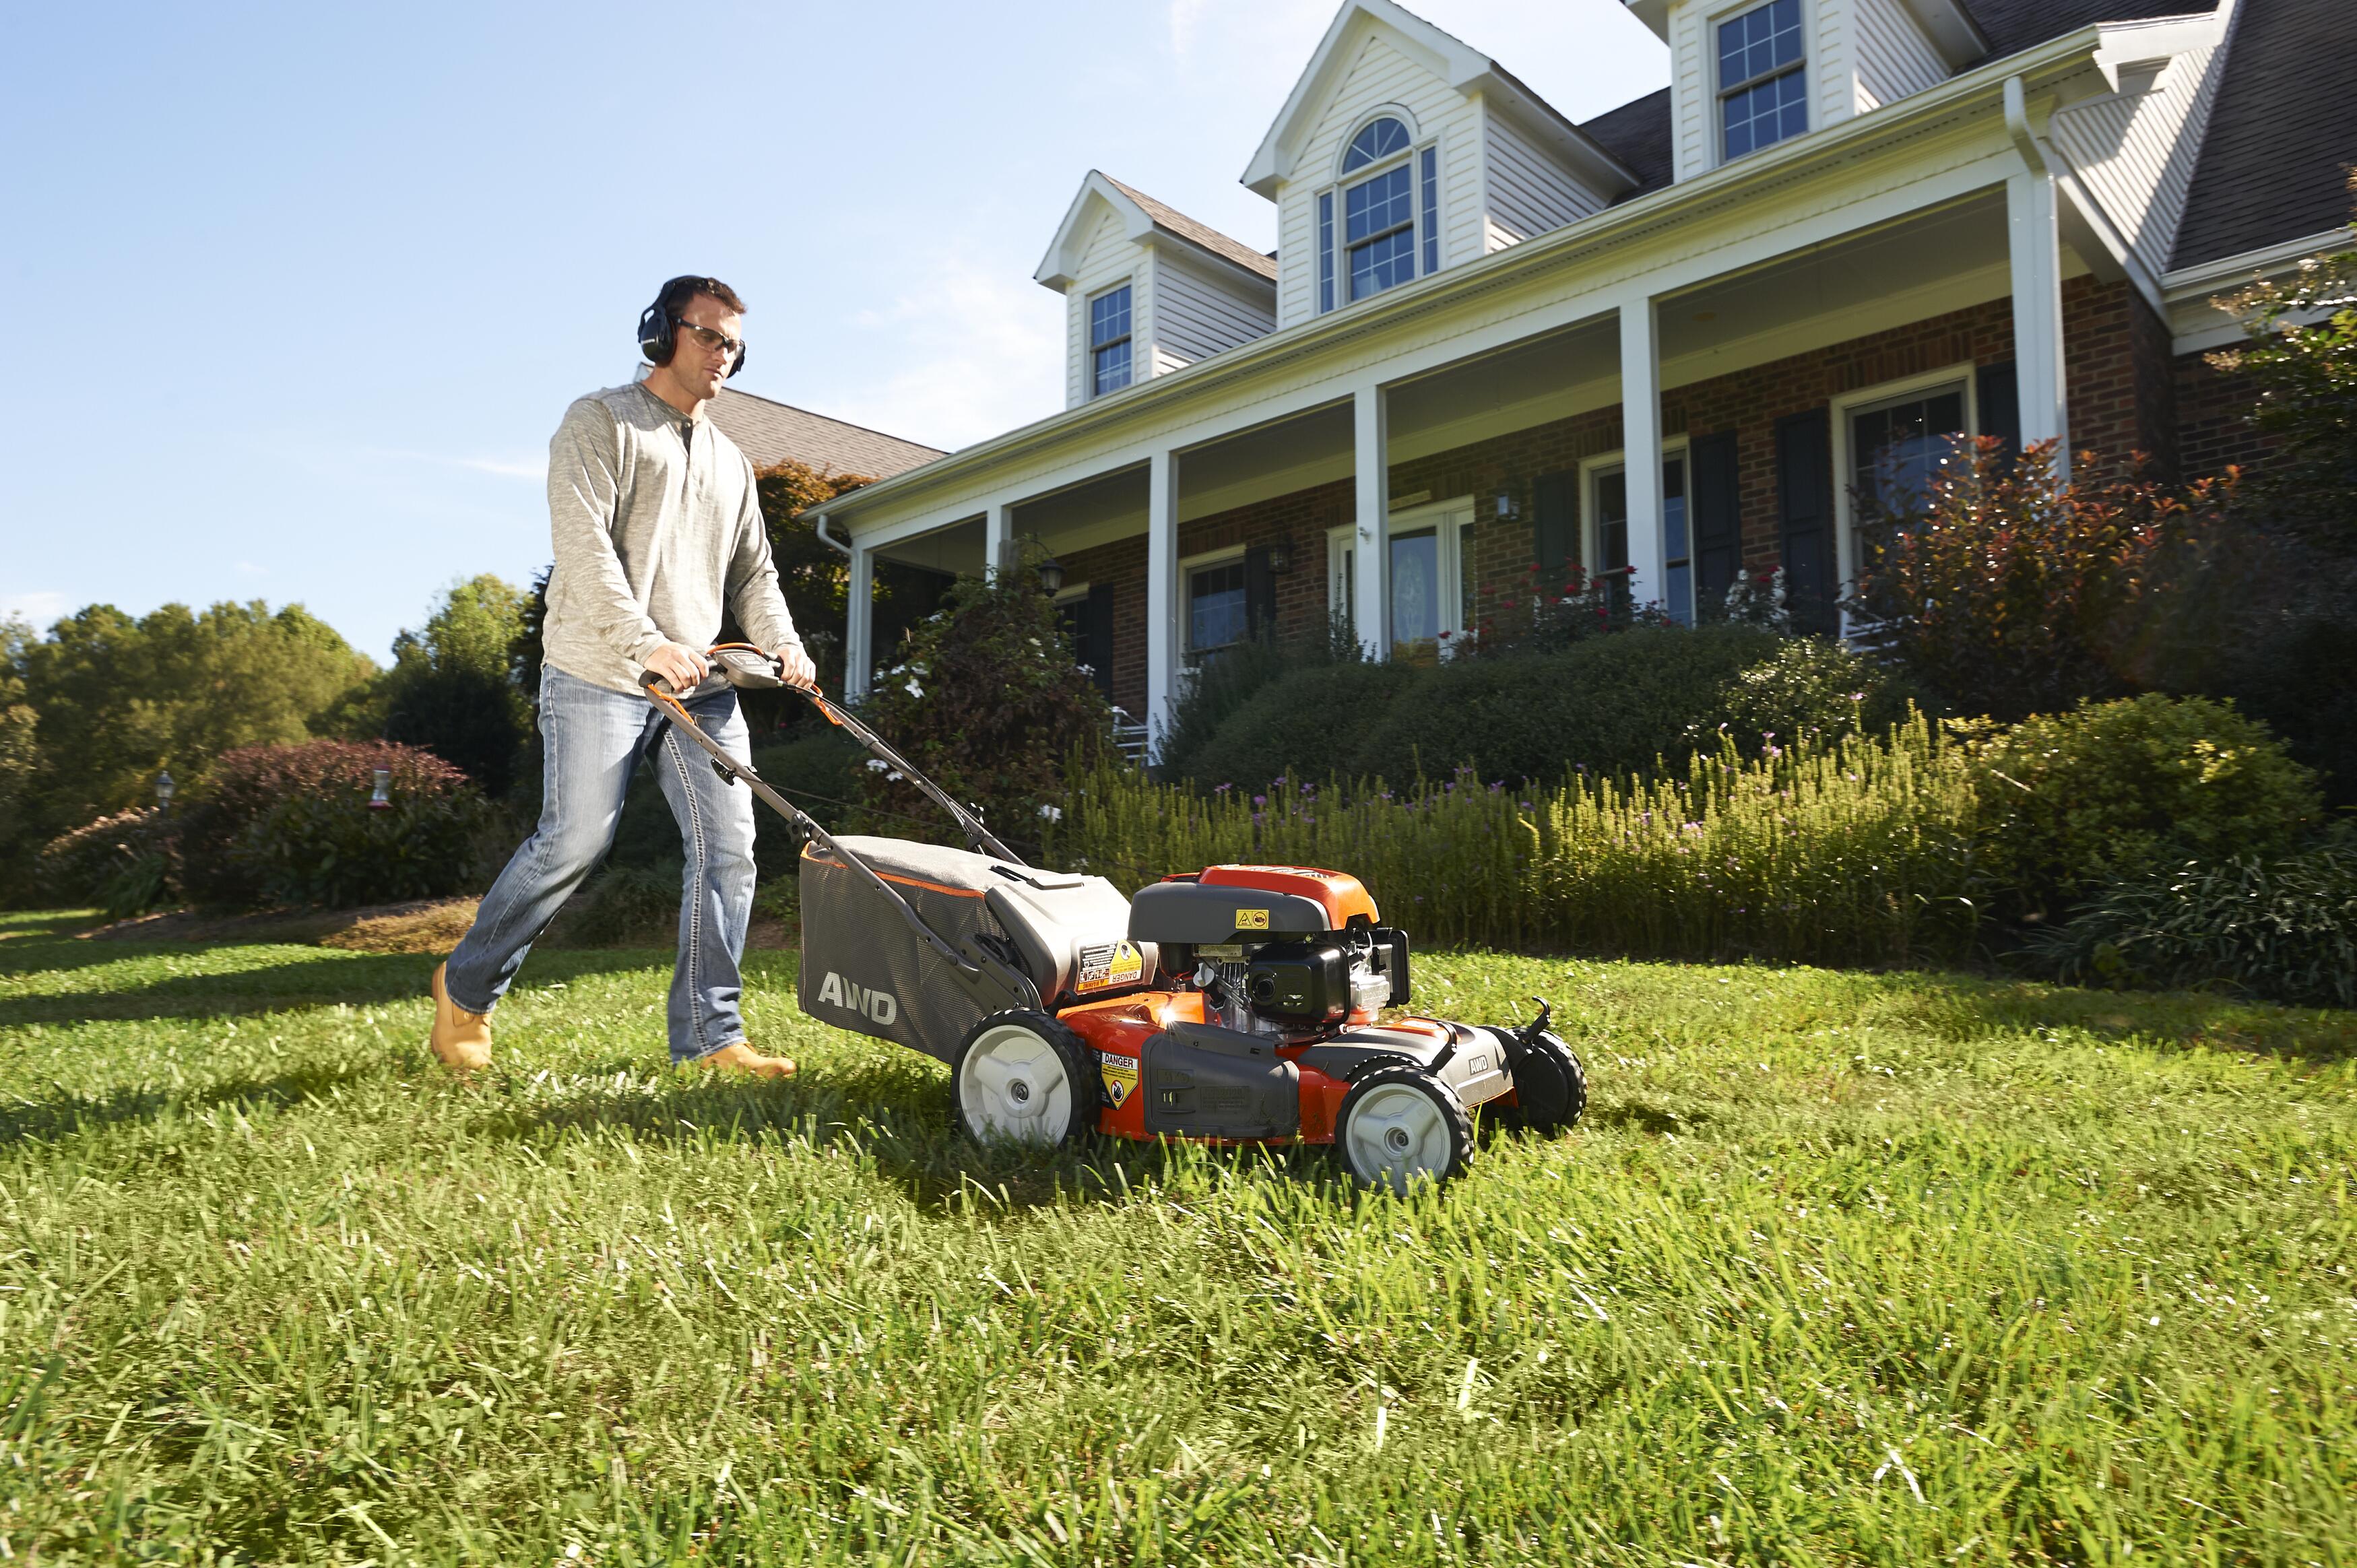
{"x": 1259, "y": 801}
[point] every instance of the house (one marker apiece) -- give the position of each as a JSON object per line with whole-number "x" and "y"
{"x": 768, "y": 432}
{"x": 1684, "y": 340}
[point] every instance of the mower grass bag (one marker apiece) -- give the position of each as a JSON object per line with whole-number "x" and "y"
{"x": 864, "y": 969}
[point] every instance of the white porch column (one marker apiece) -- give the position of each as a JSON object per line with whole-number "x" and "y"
{"x": 859, "y": 628}
{"x": 998, "y": 538}
{"x": 1641, "y": 431}
{"x": 1162, "y": 648}
{"x": 2034, "y": 232}
{"x": 1371, "y": 543}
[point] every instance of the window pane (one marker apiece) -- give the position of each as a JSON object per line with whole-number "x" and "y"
{"x": 1431, "y": 211}
{"x": 1215, "y": 607}
{"x": 1415, "y": 587}
{"x": 1377, "y": 205}
{"x": 1380, "y": 263}
{"x": 1673, "y": 511}
{"x": 1109, "y": 317}
{"x": 1898, "y": 449}
{"x": 1762, "y": 115}
{"x": 1758, "y": 41}
{"x": 1113, "y": 367}
{"x": 1681, "y": 594}
{"x": 1611, "y": 522}
{"x": 1326, "y": 252}
{"x": 1380, "y": 140}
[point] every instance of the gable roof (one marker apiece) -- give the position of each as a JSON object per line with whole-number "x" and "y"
{"x": 1464, "y": 68}
{"x": 2275, "y": 165}
{"x": 1639, "y": 135}
{"x": 769, "y": 432}
{"x": 1142, "y": 216}
{"x": 2013, "y": 26}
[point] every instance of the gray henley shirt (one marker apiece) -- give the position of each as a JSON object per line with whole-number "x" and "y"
{"x": 657, "y": 526}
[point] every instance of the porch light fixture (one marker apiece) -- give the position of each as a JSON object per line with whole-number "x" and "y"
{"x": 1280, "y": 556}
{"x": 381, "y": 798}
{"x": 1505, "y": 507}
{"x": 1051, "y": 575}
{"x": 163, "y": 788}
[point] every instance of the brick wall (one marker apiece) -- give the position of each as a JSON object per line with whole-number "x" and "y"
{"x": 2213, "y": 412}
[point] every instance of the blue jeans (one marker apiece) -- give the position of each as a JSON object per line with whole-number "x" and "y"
{"x": 594, "y": 740}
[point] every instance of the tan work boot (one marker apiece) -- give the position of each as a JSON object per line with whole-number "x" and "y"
{"x": 462, "y": 1040}
{"x": 745, "y": 1059}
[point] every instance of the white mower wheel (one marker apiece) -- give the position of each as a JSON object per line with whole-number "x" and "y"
{"x": 1021, "y": 1076}
{"x": 1400, "y": 1123}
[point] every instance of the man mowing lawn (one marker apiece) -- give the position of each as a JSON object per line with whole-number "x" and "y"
{"x": 657, "y": 528}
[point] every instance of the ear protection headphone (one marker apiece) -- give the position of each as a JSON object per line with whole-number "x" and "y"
{"x": 659, "y": 323}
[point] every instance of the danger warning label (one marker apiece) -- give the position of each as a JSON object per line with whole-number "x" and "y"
{"x": 1120, "y": 1075}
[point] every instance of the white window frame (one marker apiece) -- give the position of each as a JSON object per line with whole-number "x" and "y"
{"x": 1089, "y": 348}
{"x": 1591, "y": 537}
{"x": 1843, "y": 408}
{"x": 1422, "y": 237}
{"x": 1188, "y": 566}
{"x": 1715, "y": 109}
{"x": 1341, "y": 541}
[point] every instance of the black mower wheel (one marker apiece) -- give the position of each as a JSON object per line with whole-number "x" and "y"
{"x": 1550, "y": 1086}
{"x": 1021, "y": 1076}
{"x": 1398, "y": 1123}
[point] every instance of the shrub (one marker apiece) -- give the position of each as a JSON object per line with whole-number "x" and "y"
{"x": 2283, "y": 928}
{"x": 121, "y": 863}
{"x": 624, "y": 905}
{"x": 2011, "y": 595}
{"x": 1808, "y": 686}
{"x": 989, "y": 701}
{"x": 1855, "y": 850}
{"x": 2110, "y": 791}
{"x": 292, "y": 825}
{"x": 1219, "y": 689}
{"x": 1609, "y": 704}
{"x": 1311, "y": 723}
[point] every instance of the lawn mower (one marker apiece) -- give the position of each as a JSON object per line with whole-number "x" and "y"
{"x": 1235, "y": 1004}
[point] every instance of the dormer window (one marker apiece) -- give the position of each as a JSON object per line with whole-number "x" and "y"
{"x": 1390, "y": 215}
{"x": 1763, "y": 87}
{"x": 1109, "y": 341}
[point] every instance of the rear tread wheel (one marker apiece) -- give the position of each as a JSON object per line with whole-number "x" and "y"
{"x": 1550, "y": 1086}
{"x": 1398, "y": 1123}
{"x": 1021, "y": 1076}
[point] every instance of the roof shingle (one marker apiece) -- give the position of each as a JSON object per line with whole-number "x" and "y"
{"x": 1203, "y": 236}
{"x": 768, "y": 431}
{"x": 2275, "y": 165}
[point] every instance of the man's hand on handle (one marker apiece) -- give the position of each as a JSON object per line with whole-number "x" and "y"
{"x": 794, "y": 666}
{"x": 680, "y": 665}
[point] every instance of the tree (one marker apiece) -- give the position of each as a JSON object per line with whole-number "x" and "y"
{"x": 989, "y": 701}
{"x": 452, "y": 689}
{"x": 120, "y": 700}
{"x": 815, "y": 576}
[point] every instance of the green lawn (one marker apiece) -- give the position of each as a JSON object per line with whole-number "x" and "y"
{"x": 1841, "y": 1267}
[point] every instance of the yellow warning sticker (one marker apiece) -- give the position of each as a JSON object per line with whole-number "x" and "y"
{"x": 1252, "y": 919}
{"x": 1120, "y": 1075}
{"x": 1110, "y": 964}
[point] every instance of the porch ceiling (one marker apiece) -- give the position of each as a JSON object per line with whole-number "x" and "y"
{"x": 957, "y": 548}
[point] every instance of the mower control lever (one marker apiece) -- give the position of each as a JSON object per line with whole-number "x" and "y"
{"x": 1536, "y": 1026}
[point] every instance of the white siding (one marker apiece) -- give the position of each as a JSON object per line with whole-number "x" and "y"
{"x": 1528, "y": 192}
{"x": 1107, "y": 259}
{"x": 1381, "y": 73}
{"x": 1894, "y": 56}
{"x": 2135, "y": 150}
{"x": 1197, "y": 313}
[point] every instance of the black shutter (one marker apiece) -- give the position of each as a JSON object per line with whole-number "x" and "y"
{"x": 1804, "y": 505}
{"x": 1096, "y": 623}
{"x": 1556, "y": 498}
{"x": 2000, "y": 401}
{"x": 1260, "y": 594}
{"x": 1716, "y": 508}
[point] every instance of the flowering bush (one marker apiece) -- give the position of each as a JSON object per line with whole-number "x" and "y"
{"x": 2013, "y": 595}
{"x": 292, "y": 825}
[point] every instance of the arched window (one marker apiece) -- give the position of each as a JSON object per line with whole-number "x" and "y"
{"x": 1381, "y": 139}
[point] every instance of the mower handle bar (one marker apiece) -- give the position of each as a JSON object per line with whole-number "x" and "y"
{"x": 993, "y": 981}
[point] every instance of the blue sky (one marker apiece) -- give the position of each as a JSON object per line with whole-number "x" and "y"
{"x": 301, "y": 291}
